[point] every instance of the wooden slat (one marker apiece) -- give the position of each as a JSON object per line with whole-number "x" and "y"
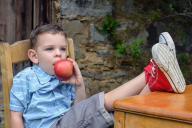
{"x": 36, "y": 12}
{"x": 119, "y": 119}
{"x": 71, "y": 50}
{"x": 15, "y": 19}
{"x": 7, "y": 17}
{"x": 19, "y": 51}
{"x": 7, "y": 79}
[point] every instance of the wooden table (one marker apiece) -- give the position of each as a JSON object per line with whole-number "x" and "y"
{"x": 155, "y": 110}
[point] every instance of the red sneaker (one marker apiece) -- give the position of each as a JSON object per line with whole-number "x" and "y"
{"x": 156, "y": 79}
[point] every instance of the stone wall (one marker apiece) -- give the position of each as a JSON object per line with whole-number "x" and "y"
{"x": 101, "y": 68}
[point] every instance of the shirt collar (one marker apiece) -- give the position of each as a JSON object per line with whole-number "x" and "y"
{"x": 42, "y": 76}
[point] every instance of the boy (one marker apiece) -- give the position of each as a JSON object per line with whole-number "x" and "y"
{"x": 39, "y": 100}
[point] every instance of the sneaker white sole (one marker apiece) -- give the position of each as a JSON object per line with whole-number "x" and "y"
{"x": 166, "y": 38}
{"x": 168, "y": 64}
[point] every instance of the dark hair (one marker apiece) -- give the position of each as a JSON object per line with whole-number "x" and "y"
{"x": 47, "y": 28}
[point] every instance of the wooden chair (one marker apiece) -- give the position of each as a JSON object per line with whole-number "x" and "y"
{"x": 13, "y": 54}
{"x": 155, "y": 110}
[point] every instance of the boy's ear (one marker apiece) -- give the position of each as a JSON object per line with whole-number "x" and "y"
{"x": 32, "y": 54}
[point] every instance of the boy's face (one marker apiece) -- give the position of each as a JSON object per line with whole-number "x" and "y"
{"x": 49, "y": 49}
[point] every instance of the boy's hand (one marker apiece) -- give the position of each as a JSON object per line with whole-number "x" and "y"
{"x": 76, "y": 78}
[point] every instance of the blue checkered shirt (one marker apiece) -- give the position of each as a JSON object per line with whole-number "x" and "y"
{"x": 42, "y": 98}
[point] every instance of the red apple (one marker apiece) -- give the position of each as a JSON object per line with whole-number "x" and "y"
{"x": 63, "y": 69}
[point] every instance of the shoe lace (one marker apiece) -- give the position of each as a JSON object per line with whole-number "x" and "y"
{"x": 154, "y": 69}
{"x": 153, "y": 73}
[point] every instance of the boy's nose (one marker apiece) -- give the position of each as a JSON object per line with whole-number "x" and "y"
{"x": 57, "y": 52}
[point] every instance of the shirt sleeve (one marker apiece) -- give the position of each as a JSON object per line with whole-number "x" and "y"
{"x": 19, "y": 94}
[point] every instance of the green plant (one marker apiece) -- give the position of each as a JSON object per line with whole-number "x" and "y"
{"x": 109, "y": 26}
{"x": 120, "y": 48}
{"x": 136, "y": 48}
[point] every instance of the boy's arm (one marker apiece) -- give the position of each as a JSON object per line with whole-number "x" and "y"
{"x": 80, "y": 86}
{"x": 77, "y": 79}
{"x": 80, "y": 91}
{"x": 16, "y": 120}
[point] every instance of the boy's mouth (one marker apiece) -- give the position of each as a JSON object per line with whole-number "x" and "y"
{"x": 56, "y": 61}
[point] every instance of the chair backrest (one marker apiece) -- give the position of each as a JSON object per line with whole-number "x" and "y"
{"x": 13, "y": 54}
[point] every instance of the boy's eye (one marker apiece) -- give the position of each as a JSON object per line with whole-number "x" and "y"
{"x": 63, "y": 49}
{"x": 49, "y": 49}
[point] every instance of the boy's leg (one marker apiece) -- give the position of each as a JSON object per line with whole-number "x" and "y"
{"x": 88, "y": 113}
{"x": 130, "y": 88}
{"x": 93, "y": 112}
{"x": 145, "y": 90}
{"x": 166, "y": 61}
